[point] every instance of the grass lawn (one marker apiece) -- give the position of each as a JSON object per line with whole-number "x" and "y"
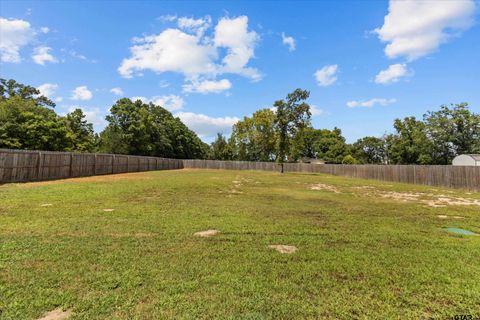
{"x": 366, "y": 249}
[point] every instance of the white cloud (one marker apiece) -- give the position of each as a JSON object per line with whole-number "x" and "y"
{"x": 170, "y": 102}
{"x": 415, "y": 28}
{"x": 190, "y": 52}
{"x": 370, "y": 103}
{"x": 116, "y": 91}
{"x": 288, "y": 41}
{"x": 79, "y": 56}
{"x": 81, "y": 93}
{"x": 327, "y": 75}
{"x": 14, "y": 34}
{"x": 167, "y": 18}
{"x": 315, "y": 110}
{"x": 47, "y": 89}
{"x": 233, "y": 34}
{"x": 206, "y": 126}
{"x": 58, "y": 99}
{"x": 44, "y": 29}
{"x": 392, "y": 74}
{"x": 207, "y": 86}
{"x": 197, "y": 26}
{"x": 163, "y": 84}
{"x": 42, "y": 55}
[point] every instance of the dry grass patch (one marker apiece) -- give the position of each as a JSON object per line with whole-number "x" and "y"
{"x": 206, "y": 233}
{"x": 326, "y": 187}
{"x": 57, "y": 314}
{"x": 283, "y": 248}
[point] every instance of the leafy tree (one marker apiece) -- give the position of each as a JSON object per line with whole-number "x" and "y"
{"x": 11, "y": 88}
{"x": 26, "y": 125}
{"x": 147, "y": 129}
{"x": 453, "y": 131}
{"x": 370, "y": 150}
{"x": 410, "y": 144}
{"x": 254, "y": 139}
{"x": 80, "y": 132}
{"x": 349, "y": 159}
{"x": 221, "y": 149}
{"x": 292, "y": 116}
{"x": 330, "y": 145}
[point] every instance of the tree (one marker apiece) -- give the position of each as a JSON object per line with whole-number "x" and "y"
{"x": 26, "y": 125}
{"x": 254, "y": 139}
{"x": 221, "y": 149}
{"x": 410, "y": 144}
{"x": 330, "y": 145}
{"x": 80, "y": 132}
{"x": 292, "y": 116}
{"x": 150, "y": 130}
{"x": 370, "y": 150}
{"x": 348, "y": 159}
{"x": 11, "y": 88}
{"x": 453, "y": 131}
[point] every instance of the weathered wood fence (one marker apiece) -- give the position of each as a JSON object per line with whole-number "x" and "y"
{"x": 463, "y": 177}
{"x": 20, "y": 165}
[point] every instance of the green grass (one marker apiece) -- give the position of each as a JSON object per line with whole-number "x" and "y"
{"x": 360, "y": 255}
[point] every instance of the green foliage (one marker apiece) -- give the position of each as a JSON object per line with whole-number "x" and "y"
{"x": 453, "y": 131}
{"x": 292, "y": 116}
{"x": 254, "y": 139}
{"x": 220, "y": 149}
{"x": 24, "y": 124}
{"x": 80, "y": 132}
{"x": 348, "y": 159}
{"x": 150, "y": 130}
{"x": 11, "y": 88}
{"x": 371, "y": 150}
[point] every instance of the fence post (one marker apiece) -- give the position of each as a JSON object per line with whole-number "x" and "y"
{"x": 70, "y": 173}
{"x": 113, "y": 163}
{"x": 39, "y": 165}
{"x": 95, "y": 164}
{"x": 128, "y": 163}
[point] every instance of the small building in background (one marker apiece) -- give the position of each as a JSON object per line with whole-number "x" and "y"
{"x": 467, "y": 160}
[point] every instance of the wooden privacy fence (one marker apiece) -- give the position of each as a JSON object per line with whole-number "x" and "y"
{"x": 20, "y": 165}
{"x": 463, "y": 177}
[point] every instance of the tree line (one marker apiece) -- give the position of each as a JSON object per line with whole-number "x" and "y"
{"x": 28, "y": 121}
{"x": 283, "y": 133}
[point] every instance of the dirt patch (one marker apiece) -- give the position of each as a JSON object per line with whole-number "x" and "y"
{"x": 283, "y": 248}
{"x": 429, "y": 199}
{"x": 57, "y": 314}
{"x": 441, "y": 216}
{"x": 46, "y": 205}
{"x": 326, "y": 187}
{"x": 206, "y": 233}
{"x": 108, "y": 210}
{"x": 102, "y": 178}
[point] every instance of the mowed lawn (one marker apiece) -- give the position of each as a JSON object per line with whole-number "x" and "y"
{"x": 366, "y": 249}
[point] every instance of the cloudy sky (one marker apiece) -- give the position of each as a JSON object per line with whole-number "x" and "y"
{"x": 211, "y": 63}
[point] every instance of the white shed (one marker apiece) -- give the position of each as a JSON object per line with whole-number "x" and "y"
{"x": 467, "y": 160}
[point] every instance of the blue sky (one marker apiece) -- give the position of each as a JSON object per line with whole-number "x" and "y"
{"x": 211, "y": 63}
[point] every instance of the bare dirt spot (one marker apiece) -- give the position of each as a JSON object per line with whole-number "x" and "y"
{"x": 206, "y": 233}
{"x": 283, "y": 248}
{"x": 46, "y": 205}
{"x": 321, "y": 186}
{"x": 429, "y": 199}
{"x": 57, "y": 314}
{"x": 108, "y": 210}
{"x": 101, "y": 179}
{"x": 441, "y": 216}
